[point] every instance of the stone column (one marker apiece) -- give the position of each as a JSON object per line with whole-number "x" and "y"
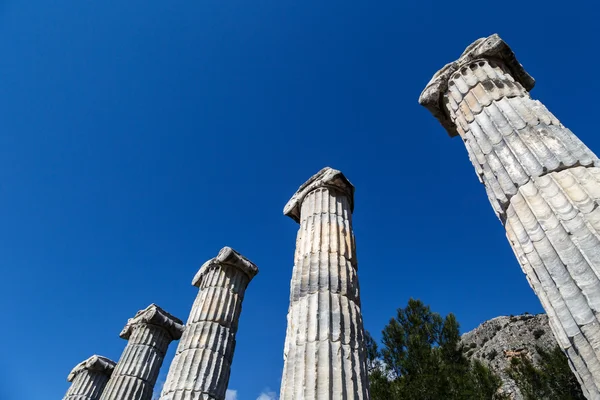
{"x": 149, "y": 334}
{"x": 543, "y": 183}
{"x": 89, "y": 378}
{"x": 325, "y": 354}
{"x": 202, "y": 363}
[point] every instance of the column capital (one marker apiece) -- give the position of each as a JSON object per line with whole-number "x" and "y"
{"x": 154, "y": 315}
{"x": 327, "y": 177}
{"x": 491, "y": 48}
{"x": 94, "y": 363}
{"x": 230, "y": 257}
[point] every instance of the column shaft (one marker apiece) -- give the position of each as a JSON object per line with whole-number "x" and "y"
{"x": 149, "y": 335}
{"x": 544, "y": 185}
{"x": 325, "y": 355}
{"x": 202, "y": 363}
{"x": 89, "y": 378}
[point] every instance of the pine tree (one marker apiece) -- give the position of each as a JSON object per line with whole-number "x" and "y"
{"x": 422, "y": 359}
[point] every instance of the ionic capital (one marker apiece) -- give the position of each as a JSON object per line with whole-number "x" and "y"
{"x": 154, "y": 315}
{"x": 226, "y": 257}
{"x": 94, "y": 363}
{"x": 490, "y": 48}
{"x": 327, "y": 177}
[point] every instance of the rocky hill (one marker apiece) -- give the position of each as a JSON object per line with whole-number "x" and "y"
{"x": 496, "y": 341}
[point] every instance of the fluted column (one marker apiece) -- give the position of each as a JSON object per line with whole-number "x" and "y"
{"x": 89, "y": 378}
{"x": 543, "y": 183}
{"x": 202, "y": 363}
{"x": 325, "y": 354}
{"x": 149, "y": 334}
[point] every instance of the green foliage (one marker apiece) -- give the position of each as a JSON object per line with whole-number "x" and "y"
{"x": 552, "y": 380}
{"x": 485, "y": 382}
{"x": 423, "y": 360}
{"x": 372, "y": 352}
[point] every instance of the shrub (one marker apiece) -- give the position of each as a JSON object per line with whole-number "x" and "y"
{"x": 551, "y": 380}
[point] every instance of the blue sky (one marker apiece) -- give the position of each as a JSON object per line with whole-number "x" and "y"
{"x": 139, "y": 137}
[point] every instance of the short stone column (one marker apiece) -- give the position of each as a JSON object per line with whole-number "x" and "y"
{"x": 149, "y": 334}
{"x": 202, "y": 363}
{"x": 543, "y": 183}
{"x": 325, "y": 353}
{"x": 89, "y": 378}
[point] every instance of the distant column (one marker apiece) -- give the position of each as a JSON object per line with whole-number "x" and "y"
{"x": 543, "y": 183}
{"x": 202, "y": 364}
{"x": 325, "y": 353}
{"x": 149, "y": 334}
{"x": 89, "y": 378}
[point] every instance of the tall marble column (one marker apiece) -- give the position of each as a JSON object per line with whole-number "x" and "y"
{"x": 325, "y": 353}
{"x": 149, "y": 334}
{"x": 202, "y": 363}
{"x": 543, "y": 183}
{"x": 89, "y": 378}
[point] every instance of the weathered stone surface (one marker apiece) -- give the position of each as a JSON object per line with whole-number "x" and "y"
{"x": 543, "y": 183}
{"x": 89, "y": 378}
{"x": 327, "y": 177}
{"x": 491, "y": 47}
{"x": 324, "y": 355}
{"x": 496, "y": 341}
{"x": 149, "y": 334}
{"x": 202, "y": 363}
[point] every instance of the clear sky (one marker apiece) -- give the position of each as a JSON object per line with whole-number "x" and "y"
{"x": 139, "y": 137}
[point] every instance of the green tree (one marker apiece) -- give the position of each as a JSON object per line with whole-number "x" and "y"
{"x": 422, "y": 359}
{"x": 551, "y": 380}
{"x": 380, "y": 385}
{"x": 484, "y": 383}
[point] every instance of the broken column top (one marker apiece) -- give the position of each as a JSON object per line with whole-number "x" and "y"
{"x": 154, "y": 315}
{"x": 492, "y": 47}
{"x": 94, "y": 363}
{"x": 327, "y": 177}
{"x": 230, "y": 257}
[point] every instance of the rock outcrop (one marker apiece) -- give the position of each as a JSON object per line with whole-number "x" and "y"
{"x": 496, "y": 341}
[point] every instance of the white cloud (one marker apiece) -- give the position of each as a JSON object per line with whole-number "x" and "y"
{"x": 231, "y": 395}
{"x": 267, "y": 395}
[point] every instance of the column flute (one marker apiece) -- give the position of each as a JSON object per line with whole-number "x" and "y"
{"x": 543, "y": 183}
{"x": 325, "y": 354}
{"x": 89, "y": 378}
{"x": 202, "y": 364}
{"x": 148, "y": 336}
